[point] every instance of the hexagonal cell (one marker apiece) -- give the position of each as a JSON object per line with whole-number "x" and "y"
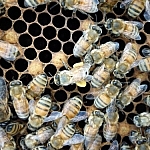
{"x": 44, "y": 19}
{"x": 5, "y": 23}
{"x": 40, "y": 43}
{"x": 20, "y": 26}
{"x": 45, "y": 56}
{"x": 60, "y": 95}
{"x": 58, "y": 21}
{"x": 14, "y": 12}
{"x": 21, "y": 65}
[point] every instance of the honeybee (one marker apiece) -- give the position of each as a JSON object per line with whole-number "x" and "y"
{"x": 130, "y": 93}
{"x": 101, "y": 75}
{"x": 107, "y": 5}
{"x": 35, "y": 3}
{"x": 91, "y": 129}
{"x": 111, "y": 122}
{"x": 129, "y": 29}
{"x": 40, "y": 137}
{"x": 139, "y": 140}
{"x": 97, "y": 56}
{"x": 142, "y": 119}
{"x": 87, "y": 40}
{"x": 147, "y": 100}
{"x": 143, "y": 64}
{"x": 20, "y": 103}
{"x": 39, "y": 112}
{"x": 14, "y": 128}
{"x": 8, "y": 51}
{"x": 125, "y": 146}
{"x": 65, "y": 136}
{"x": 114, "y": 145}
{"x": 107, "y": 94}
{"x": 128, "y": 57}
{"x": 41, "y": 147}
{"x": 7, "y": 141}
{"x": 135, "y": 7}
{"x": 79, "y": 146}
{"x": 147, "y": 133}
{"x": 36, "y": 87}
{"x": 78, "y": 74}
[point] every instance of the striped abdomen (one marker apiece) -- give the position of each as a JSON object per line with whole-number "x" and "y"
{"x": 144, "y": 65}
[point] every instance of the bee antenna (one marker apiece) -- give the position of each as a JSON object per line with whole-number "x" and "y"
{"x": 50, "y": 74}
{"x": 53, "y": 6}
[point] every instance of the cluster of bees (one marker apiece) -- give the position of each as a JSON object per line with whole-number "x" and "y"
{"x": 36, "y": 109}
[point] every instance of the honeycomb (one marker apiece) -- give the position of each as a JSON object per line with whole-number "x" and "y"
{"x": 48, "y": 33}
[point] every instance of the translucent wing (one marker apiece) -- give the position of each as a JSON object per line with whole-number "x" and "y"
{"x": 82, "y": 115}
{"x": 146, "y": 51}
{"x": 62, "y": 122}
{"x": 3, "y": 89}
{"x": 90, "y": 96}
{"x": 53, "y": 116}
{"x": 32, "y": 104}
{"x": 89, "y": 78}
{"x": 76, "y": 139}
{"x": 141, "y": 89}
{"x": 135, "y": 64}
{"x": 125, "y": 3}
{"x": 127, "y": 47}
{"x": 147, "y": 10}
{"x": 114, "y": 145}
{"x": 136, "y": 23}
{"x": 130, "y": 35}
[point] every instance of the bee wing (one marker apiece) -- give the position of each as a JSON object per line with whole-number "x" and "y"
{"x": 135, "y": 64}
{"x": 3, "y": 89}
{"x": 125, "y": 3}
{"x": 76, "y": 139}
{"x": 62, "y": 122}
{"x": 141, "y": 89}
{"x": 127, "y": 47}
{"x": 147, "y": 10}
{"x": 32, "y": 104}
{"x": 82, "y": 115}
{"x": 136, "y": 23}
{"x": 146, "y": 51}
{"x": 53, "y": 116}
{"x": 130, "y": 36}
{"x": 114, "y": 145}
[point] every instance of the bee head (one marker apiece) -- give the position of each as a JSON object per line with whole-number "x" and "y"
{"x": 137, "y": 121}
{"x": 118, "y": 74}
{"x": 15, "y": 83}
{"x": 97, "y": 29}
{"x": 116, "y": 83}
{"x": 108, "y": 24}
{"x": 141, "y": 141}
{"x": 98, "y": 113}
{"x": 62, "y": 2}
{"x": 43, "y": 75}
{"x": 57, "y": 79}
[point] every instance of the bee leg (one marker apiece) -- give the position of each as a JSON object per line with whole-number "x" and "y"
{"x": 74, "y": 13}
{"x": 65, "y": 65}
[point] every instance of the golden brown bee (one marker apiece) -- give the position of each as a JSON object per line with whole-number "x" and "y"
{"x": 39, "y": 112}
{"x": 89, "y": 37}
{"x": 20, "y": 103}
{"x": 107, "y": 5}
{"x": 36, "y": 87}
{"x": 7, "y": 141}
{"x": 91, "y": 129}
{"x": 35, "y": 3}
{"x": 128, "y": 57}
{"x": 128, "y": 29}
{"x": 78, "y": 74}
{"x": 130, "y": 93}
{"x": 14, "y": 128}
{"x": 111, "y": 122}
{"x": 135, "y": 7}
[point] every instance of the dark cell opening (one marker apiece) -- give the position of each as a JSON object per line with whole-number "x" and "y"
{"x": 64, "y": 34}
{"x": 60, "y": 95}
{"x": 81, "y": 16}
{"x": 34, "y": 29}
{"x": 130, "y": 81}
{"x": 142, "y": 15}
{"x": 105, "y": 147}
{"x": 148, "y": 85}
{"x": 70, "y": 87}
{"x": 68, "y": 48}
{"x": 126, "y": 139}
{"x": 53, "y": 8}
{"x": 84, "y": 89}
{"x": 104, "y": 30}
{"x": 97, "y": 17}
{"x": 73, "y": 94}
{"x": 21, "y": 65}
{"x": 58, "y": 21}
{"x": 117, "y": 10}
{"x": 25, "y": 40}
{"x": 1, "y": 72}
{"x": 146, "y": 27}
{"x": 20, "y": 26}
{"x": 40, "y": 8}
{"x": 105, "y": 39}
{"x": 21, "y": 3}
{"x": 46, "y": 91}
{"x": 29, "y": 16}
{"x": 5, "y": 64}
{"x": 121, "y": 44}
{"x": 49, "y": 32}
{"x": 87, "y": 102}
{"x": 54, "y": 46}
{"x": 143, "y": 38}
{"x": 130, "y": 118}
{"x": 53, "y": 85}
{"x": 130, "y": 73}
{"x": 142, "y": 47}
{"x": 140, "y": 108}
{"x": 30, "y": 53}
{"x": 66, "y": 12}
{"x": 40, "y": 43}
{"x": 50, "y": 70}
{"x": 81, "y": 124}
{"x": 129, "y": 107}
{"x": 76, "y": 35}
{"x": 139, "y": 98}
{"x": 14, "y": 12}
{"x": 45, "y": 56}
{"x": 110, "y": 15}
{"x": 117, "y": 137}
{"x": 122, "y": 116}
{"x": 124, "y": 17}
{"x": 82, "y": 108}
{"x": 62, "y": 68}
{"x": 44, "y": 19}
{"x": 72, "y": 60}
{"x": 11, "y": 75}
{"x": 26, "y": 78}
{"x": 123, "y": 81}
{"x": 5, "y": 23}
{"x": 73, "y": 23}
